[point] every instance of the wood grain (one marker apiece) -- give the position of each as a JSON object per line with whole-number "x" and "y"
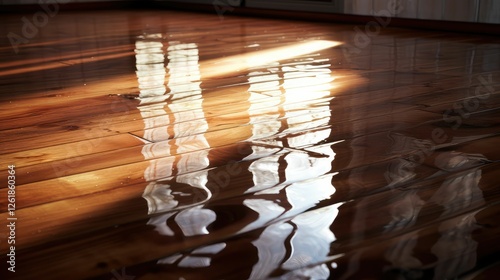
{"x": 175, "y": 145}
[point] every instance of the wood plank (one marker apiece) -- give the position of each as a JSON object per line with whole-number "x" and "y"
{"x": 85, "y": 156}
{"x": 358, "y": 188}
{"x": 151, "y": 242}
{"x": 91, "y": 181}
{"x": 259, "y": 148}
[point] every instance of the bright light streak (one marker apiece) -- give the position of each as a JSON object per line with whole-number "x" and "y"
{"x": 241, "y": 62}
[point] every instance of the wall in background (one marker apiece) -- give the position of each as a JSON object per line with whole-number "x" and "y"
{"x": 486, "y": 11}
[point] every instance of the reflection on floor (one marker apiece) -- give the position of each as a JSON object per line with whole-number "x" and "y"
{"x": 169, "y": 145}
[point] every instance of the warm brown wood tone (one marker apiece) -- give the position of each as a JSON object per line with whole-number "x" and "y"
{"x": 175, "y": 145}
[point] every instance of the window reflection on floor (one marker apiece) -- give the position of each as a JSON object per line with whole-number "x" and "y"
{"x": 281, "y": 103}
{"x": 455, "y": 249}
{"x": 182, "y": 106}
{"x": 286, "y": 119}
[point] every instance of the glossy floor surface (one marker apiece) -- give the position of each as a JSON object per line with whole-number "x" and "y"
{"x": 174, "y": 145}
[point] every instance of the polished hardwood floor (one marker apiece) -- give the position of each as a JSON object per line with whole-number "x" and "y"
{"x": 175, "y": 145}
